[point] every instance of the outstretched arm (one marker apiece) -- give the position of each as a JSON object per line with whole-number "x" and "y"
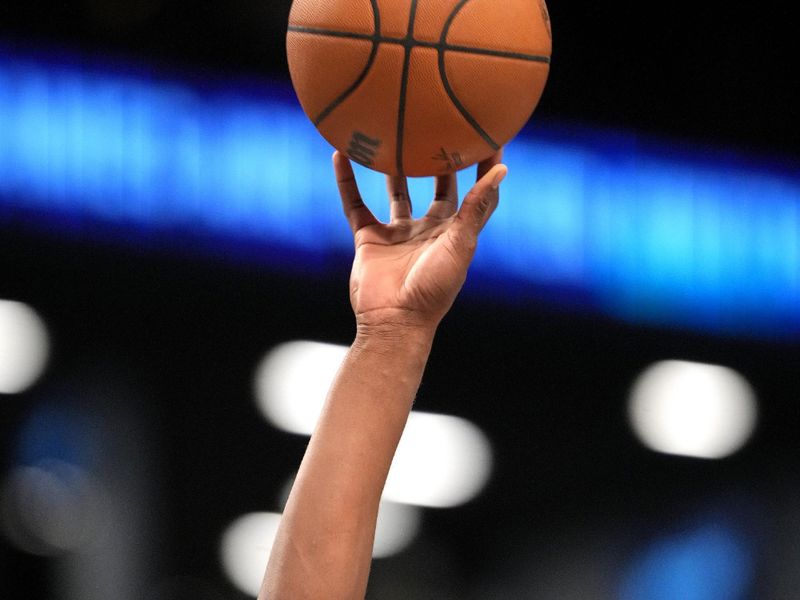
{"x": 405, "y": 277}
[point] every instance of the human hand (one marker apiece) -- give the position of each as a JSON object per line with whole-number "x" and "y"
{"x": 409, "y": 271}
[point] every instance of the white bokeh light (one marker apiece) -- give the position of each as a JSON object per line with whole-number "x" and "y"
{"x": 441, "y": 461}
{"x": 398, "y": 525}
{"x": 292, "y": 382}
{"x": 692, "y": 409}
{"x": 53, "y": 508}
{"x": 245, "y": 549}
{"x": 24, "y": 347}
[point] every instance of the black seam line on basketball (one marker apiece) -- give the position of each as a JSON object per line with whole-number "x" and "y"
{"x": 453, "y": 98}
{"x": 487, "y": 52}
{"x": 357, "y": 83}
{"x": 401, "y": 111}
{"x": 421, "y": 44}
{"x": 349, "y": 91}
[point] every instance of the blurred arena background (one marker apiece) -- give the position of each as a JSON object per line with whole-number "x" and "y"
{"x": 610, "y": 411}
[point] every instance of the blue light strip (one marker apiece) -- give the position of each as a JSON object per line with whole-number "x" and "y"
{"x": 632, "y": 228}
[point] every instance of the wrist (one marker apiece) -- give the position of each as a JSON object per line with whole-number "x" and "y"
{"x": 395, "y": 323}
{"x": 388, "y": 334}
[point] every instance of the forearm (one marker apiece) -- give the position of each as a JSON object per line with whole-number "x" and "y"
{"x": 324, "y": 546}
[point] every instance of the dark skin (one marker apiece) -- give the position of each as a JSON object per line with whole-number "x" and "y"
{"x": 413, "y": 266}
{"x": 406, "y": 275}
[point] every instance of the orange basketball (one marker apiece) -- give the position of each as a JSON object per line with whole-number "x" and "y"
{"x": 419, "y": 87}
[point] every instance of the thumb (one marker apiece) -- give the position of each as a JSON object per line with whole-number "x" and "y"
{"x": 479, "y": 204}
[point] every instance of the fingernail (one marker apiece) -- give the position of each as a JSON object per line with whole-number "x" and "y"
{"x": 498, "y": 179}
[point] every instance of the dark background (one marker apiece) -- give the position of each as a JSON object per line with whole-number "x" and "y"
{"x": 548, "y": 386}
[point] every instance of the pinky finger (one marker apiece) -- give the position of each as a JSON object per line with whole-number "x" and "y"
{"x": 357, "y": 213}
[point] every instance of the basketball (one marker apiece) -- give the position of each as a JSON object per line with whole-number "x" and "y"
{"x": 419, "y": 87}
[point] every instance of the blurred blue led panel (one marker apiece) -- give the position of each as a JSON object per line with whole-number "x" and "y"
{"x": 55, "y": 432}
{"x": 642, "y": 231}
{"x": 710, "y": 563}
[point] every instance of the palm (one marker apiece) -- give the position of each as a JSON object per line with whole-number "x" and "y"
{"x": 412, "y": 269}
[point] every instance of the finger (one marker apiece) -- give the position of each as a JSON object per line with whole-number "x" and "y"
{"x": 399, "y": 197}
{"x": 478, "y": 206}
{"x": 485, "y": 166}
{"x": 445, "y": 202}
{"x": 357, "y": 213}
